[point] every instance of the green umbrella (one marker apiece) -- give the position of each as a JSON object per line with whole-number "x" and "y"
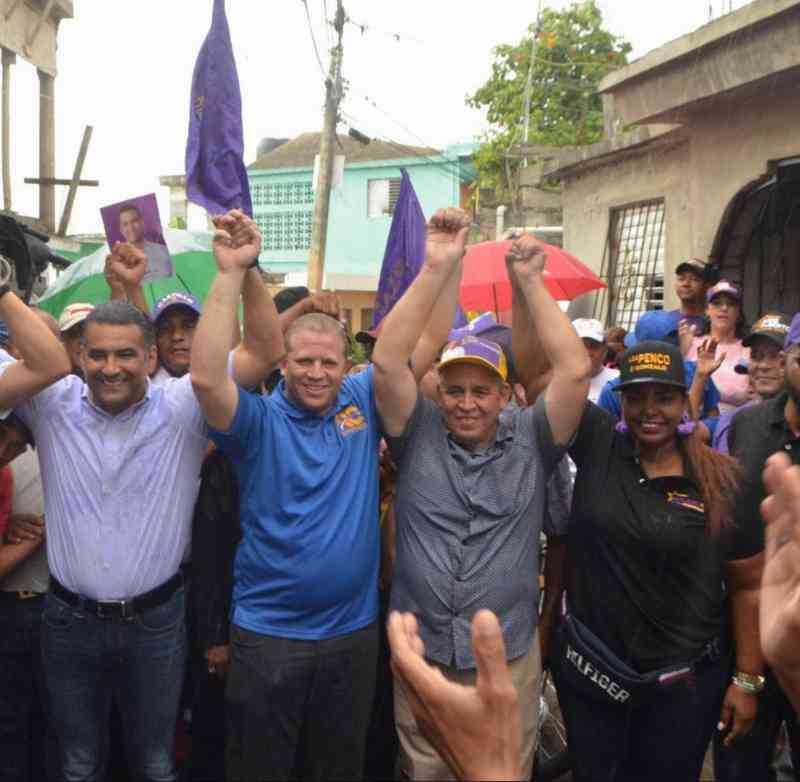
{"x": 84, "y": 281}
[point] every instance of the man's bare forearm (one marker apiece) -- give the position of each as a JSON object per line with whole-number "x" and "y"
{"x": 211, "y": 345}
{"x": 530, "y": 361}
{"x": 39, "y": 348}
{"x": 262, "y": 336}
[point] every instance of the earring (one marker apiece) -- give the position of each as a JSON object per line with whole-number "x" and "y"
{"x": 621, "y": 427}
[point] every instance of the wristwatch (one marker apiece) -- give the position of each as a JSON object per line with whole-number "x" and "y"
{"x": 750, "y": 683}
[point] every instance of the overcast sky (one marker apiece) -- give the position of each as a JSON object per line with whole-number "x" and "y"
{"x": 125, "y": 68}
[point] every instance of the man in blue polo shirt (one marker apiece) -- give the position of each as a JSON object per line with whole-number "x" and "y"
{"x": 304, "y": 638}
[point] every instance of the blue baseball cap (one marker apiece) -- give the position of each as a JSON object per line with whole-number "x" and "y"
{"x": 176, "y": 300}
{"x": 654, "y": 325}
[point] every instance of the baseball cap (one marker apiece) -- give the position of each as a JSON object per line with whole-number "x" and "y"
{"x": 793, "y": 337}
{"x": 589, "y": 328}
{"x": 73, "y": 315}
{"x": 724, "y": 286}
{"x": 773, "y": 325}
{"x": 475, "y": 350}
{"x": 288, "y": 297}
{"x": 701, "y": 268}
{"x": 653, "y": 325}
{"x": 652, "y": 362}
{"x": 176, "y": 300}
{"x": 370, "y": 336}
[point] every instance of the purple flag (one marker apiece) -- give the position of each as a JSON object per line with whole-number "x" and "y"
{"x": 216, "y": 177}
{"x": 404, "y": 254}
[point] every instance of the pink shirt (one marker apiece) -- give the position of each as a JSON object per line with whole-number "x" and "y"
{"x": 733, "y": 388}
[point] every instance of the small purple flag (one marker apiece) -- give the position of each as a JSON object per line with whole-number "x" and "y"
{"x": 404, "y": 254}
{"x": 216, "y": 177}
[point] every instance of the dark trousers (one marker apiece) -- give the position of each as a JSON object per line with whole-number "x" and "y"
{"x": 24, "y": 742}
{"x": 299, "y": 709}
{"x": 750, "y": 758}
{"x": 661, "y": 740}
{"x": 207, "y": 755}
{"x": 139, "y": 662}
{"x": 382, "y": 741}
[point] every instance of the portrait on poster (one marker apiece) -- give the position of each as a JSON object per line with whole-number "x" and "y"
{"x": 136, "y": 221}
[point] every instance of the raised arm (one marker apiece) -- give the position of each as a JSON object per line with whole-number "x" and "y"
{"x": 43, "y": 359}
{"x": 530, "y": 361}
{"x": 216, "y": 390}
{"x": 395, "y": 384}
{"x": 565, "y": 396}
{"x": 262, "y": 345}
{"x": 438, "y": 326}
{"x": 125, "y": 270}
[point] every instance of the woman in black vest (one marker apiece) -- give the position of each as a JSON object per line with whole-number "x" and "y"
{"x": 661, "y": 588}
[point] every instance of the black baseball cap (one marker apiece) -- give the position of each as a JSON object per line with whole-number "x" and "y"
{"x": 652, "y": 362}
{"x": 701, "y": 268}
{"x": 288, "y": 297}
{"x": 773, "y": 326}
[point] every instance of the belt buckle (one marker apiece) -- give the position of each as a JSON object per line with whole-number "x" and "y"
{"x": 120, "y": 609}
{"x": 26, "y": 594}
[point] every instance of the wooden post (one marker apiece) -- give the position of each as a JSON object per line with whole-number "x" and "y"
{"x": 76, "y": 180}
{"x": 8, "y": 59}
{"x": 333, "y": 94}
{"x": 47, "y": 150}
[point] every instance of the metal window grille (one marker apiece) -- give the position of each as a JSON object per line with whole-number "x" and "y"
{"x": 286, "y": 230}
{"x": 282, "y": 193}
{"x": 633, "y": 264}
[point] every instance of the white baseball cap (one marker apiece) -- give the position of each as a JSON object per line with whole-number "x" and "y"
{"x": 73, "y": 315}
{"x": 589, "y": 328}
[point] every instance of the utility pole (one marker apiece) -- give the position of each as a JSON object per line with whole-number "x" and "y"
{"x": 333, "y": 95}
{"x": 526, "y": 117}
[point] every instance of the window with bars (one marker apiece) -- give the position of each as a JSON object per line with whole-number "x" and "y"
{"x": 382, "y": 195}
{"x": 286, "y": 230}
{"x": 633, "y": 264}
{"x": 282, "y": 193}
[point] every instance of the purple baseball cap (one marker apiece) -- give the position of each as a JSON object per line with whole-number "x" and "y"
{"x": 176, "y": 299}
{"x": 473, "y": 350}
{"x": 793, "y": 337}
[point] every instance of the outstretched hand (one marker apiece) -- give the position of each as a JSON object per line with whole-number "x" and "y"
{"x": 237, "y": 241}
{"x": 686, "y": 333}
{"x": 779, "y": 605}
{"x": 447, "y": 237}
{"x": 525, "y": 258}
{"x": 477, "y": 730}
{"x": 707, "y": 360}
{"x": 127, "y": 265}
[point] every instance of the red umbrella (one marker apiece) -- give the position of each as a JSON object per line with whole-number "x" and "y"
{"x": 485, "y": 284}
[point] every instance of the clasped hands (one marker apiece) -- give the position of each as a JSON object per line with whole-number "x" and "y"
{"x": 237, "y": 241}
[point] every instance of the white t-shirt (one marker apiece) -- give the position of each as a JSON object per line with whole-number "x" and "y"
{"x": 598, "y": 382}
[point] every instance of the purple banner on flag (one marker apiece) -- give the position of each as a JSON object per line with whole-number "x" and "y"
{"x": 216, "y": 177}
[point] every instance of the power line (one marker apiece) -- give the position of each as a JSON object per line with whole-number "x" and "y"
{"x": 313, "y": 39}
{"x": 368, "y": 28}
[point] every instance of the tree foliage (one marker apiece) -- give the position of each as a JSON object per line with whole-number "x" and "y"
{"x": 572, "y": 53}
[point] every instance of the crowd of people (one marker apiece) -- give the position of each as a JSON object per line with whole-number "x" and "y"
{"x": 334, "y": 570}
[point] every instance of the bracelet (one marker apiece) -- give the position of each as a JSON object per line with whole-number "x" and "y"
{"x": 750, "y": 683}
{"x": 4, "y": 289}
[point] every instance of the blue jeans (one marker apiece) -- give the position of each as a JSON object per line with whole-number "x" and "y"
{"x": 24, "y": 739}
{"x": 140, "y": 662}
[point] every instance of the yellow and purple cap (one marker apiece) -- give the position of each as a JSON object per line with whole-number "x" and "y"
{"x": 473, "y": 350}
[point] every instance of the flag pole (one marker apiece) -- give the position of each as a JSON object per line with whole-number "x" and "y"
{"x": 333, "y": 95}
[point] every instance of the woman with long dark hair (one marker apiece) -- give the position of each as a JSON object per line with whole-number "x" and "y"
{"x": 661, "y": 588}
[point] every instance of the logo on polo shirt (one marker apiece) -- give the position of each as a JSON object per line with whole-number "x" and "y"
{"x": 650, "y": 362}
{"x": 683, "y": 500}
{"x": 350, "y": 420}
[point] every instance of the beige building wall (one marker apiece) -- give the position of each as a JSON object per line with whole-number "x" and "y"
{"x": 646, "y": 174}
{"x": 732, "y": 146}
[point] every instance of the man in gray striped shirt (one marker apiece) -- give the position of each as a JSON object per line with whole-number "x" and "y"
{"x": 471, "y": 486}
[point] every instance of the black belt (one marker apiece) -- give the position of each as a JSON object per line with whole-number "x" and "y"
{"x": 118, "y": 609}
